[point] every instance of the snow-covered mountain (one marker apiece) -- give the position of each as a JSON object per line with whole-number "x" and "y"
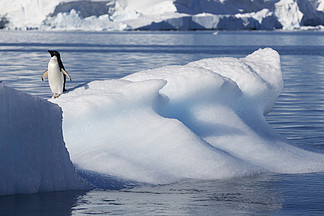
{"x": 161, "y": 14}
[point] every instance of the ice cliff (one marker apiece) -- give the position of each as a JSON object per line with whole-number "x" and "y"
{"x": 161, "y": 14}
{"x": 33, "y": 157}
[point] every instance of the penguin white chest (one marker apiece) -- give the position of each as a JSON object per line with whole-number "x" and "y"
{"x": 55, "y": 76}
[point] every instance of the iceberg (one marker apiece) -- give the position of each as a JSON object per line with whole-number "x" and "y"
{"x": 105, "y": 15}
{"x": 204, "y": 120}
{"x": 33, "y": 157}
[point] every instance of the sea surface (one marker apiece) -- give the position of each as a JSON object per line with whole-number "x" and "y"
{"x": 297, "y": 115}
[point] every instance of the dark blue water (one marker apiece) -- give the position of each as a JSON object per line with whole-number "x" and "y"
{"x": 298, "y": 115}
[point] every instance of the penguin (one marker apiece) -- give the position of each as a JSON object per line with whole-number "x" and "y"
{"x": 56, "y": 74}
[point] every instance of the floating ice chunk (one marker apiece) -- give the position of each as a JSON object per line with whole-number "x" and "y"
{"x": 203, "y": 120}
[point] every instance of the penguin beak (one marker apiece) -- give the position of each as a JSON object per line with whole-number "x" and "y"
{"x": 51, "y": 52}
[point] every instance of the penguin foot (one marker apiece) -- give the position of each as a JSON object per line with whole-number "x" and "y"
{"x": 56, "y": 95}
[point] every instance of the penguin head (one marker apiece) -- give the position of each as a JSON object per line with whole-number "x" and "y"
{"x": 54, "y": 53}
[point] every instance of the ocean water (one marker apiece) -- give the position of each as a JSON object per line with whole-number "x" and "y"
{"x": 298, "y": 115}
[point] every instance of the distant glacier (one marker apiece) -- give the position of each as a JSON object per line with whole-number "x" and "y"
{"x": 162, "y": 15}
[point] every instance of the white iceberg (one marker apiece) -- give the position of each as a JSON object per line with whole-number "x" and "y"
{"x": 203, "y": 120}
{"x": 33, "y": 157}
{"x": 99, "y": 15}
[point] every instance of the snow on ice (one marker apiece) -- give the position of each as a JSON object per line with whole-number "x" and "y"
{"x": 33, "y": 157}
{"x": 203, "y": 120}
{"x": 161, "y": 14}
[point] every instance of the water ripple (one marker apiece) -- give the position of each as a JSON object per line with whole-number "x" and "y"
{"x": 133, "y": 48}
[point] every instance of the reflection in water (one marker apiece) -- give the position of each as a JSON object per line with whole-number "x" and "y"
{"x": 54, "y": 203}
{"x": 266, "y": 194}
{"x": 237, "y": 196}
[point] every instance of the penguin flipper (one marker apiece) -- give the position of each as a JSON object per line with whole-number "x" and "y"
{"x": 44, "y": 75}
{"x": 65, "y": 73}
